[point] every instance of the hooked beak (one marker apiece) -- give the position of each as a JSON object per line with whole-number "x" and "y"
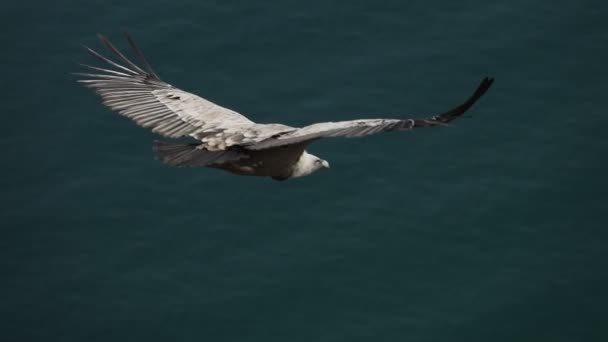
{"x": 325, "y": 164}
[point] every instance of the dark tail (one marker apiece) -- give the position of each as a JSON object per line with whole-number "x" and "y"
{"x": 182, "y": 155}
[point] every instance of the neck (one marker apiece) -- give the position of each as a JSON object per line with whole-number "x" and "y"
{"x": 304, "y": 166}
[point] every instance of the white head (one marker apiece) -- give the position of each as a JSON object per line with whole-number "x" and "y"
{"x": 308, "y": 164}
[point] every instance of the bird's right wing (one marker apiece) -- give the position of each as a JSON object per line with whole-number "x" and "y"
{"x": 139, "y": 94}
{"x": 364, "y": 127}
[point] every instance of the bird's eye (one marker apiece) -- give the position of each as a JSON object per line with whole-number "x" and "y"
{"x": 317, "y": 162}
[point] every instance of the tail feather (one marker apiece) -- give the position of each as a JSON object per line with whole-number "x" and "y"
{"x": 181, "y": 155}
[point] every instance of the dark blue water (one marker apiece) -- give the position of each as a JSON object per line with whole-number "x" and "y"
{"x": 494, "y": 229}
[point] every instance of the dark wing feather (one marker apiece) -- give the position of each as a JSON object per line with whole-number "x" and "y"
{"x": 140, "y": 55}
{"x": 176, "y": 154}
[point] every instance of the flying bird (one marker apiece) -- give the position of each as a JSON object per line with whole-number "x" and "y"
{"x": 225, "y": 139}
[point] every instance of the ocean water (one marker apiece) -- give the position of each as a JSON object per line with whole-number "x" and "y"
{"x": 493, "y": 229}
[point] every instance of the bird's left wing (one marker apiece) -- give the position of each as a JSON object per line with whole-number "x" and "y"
{"x": 138, "y": 93}
{"x": 360, "y": 128}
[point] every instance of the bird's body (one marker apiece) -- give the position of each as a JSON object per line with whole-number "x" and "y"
{"x": 226, "y": 139}
{"x": 279, "y": 163}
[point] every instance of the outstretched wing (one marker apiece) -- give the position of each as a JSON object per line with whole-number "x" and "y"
{"x": 138, "y": 93}
{"x": 360, "y": 128}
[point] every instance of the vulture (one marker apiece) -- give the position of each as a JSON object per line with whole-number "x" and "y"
{"x": 223, "y": 138}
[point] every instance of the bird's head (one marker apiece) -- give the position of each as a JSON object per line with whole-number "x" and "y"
{"x": 308, "y": 164}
